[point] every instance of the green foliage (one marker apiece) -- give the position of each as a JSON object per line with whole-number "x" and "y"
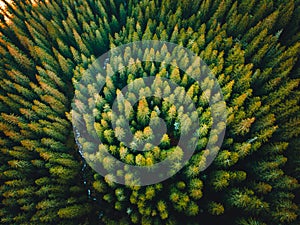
{"x": 252, "y": 48}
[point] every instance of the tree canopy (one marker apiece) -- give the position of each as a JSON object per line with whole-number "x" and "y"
{"x": 252, "y": 48}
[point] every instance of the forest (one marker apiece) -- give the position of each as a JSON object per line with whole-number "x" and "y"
{"x": 48, "y": 169}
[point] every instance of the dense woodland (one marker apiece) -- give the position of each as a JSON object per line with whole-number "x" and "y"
{"x": 252, "y": 48}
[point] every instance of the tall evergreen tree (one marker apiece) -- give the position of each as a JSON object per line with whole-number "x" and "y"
{"x": 251, "y": 47}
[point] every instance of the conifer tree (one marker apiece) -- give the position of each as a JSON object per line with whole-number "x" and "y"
{"x": 251, "y": 47}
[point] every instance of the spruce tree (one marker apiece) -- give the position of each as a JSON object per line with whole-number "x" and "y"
{"x": 251, "y": 47}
